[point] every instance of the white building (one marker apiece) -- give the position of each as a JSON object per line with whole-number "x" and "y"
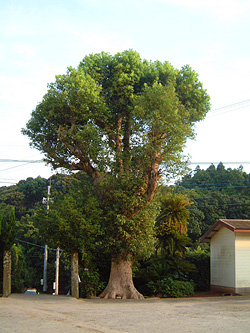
{"x": 230, "y": 256}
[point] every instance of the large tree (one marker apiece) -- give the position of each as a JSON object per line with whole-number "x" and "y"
{"x": 124, "y": 122}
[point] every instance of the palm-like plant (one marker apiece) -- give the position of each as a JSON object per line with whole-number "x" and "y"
{"x": 171, "y": 226}
{"x": 174, "y": 214}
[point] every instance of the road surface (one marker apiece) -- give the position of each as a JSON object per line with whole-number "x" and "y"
{"x": 45, "y": 313}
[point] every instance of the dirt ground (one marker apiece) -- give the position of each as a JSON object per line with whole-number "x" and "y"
{"x": 45, "y": 313}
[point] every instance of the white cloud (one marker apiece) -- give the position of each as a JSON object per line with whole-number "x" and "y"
{"x": 98, "y": 41}
{"x": 24, "y": 50}
{"x": 220, "y": 9}
{"x": 18, "y": 30}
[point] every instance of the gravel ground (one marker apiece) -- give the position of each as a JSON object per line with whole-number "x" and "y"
{"x": 45, "y": 313}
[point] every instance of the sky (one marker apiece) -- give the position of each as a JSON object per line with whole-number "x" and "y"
{"x": 40, "y": 39}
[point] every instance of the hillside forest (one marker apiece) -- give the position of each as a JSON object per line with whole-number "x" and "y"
{"x": 172, "y": 264}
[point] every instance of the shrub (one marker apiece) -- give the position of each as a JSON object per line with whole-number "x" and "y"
{"x": 201, "y": 276}
{"x": 91, "y": 284}
{"x": 168, "y": 287}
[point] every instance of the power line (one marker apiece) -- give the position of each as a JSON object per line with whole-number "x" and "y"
{"x": 7, "y": 160}
{"x": 197, "y": 163}
{"x": 229, "y": 108}
{"x": 41, "y": 161}
{"x": 231, "y": 105}
{"x": 33, "y": 244}
{"x": 21, "y": 241}
{"x": 14, "y": 167}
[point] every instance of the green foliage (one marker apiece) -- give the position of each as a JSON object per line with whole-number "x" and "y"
{"x": 227, "y": 181}
{"x": 91, "y": 284}
{"x": 169, "y": 260}
{"x": 24, "y": 196}
{"x": 216, "y": 193}
{"x": 8, "y": 228}
{"x": 33, "y": 191}
{"x": 201, "y": 275}
{"x": 10, "y": 196}
{"x": 171, "y": 226}
{"x": 174, "y": 214}
{"x": 171, "y": 288}
{"x": 172, "y": 243}
{"x": 160, "y": 266}
{"x": 18, "y": 274}
{"x": 132, "y": 237}
{"x": 103, "y": 231}
{"x": 119, "y": 118}
{"x": 73, "y": 222}
{"x": 191, "y": 93}
{"x": 27, "y": 252}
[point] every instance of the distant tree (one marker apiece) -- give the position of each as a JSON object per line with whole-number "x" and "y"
{"x": 216, "y": 193}
{"x": 33, "y": 189}
{"x": 122, "y": 121}
{"x": 11, "y": 196}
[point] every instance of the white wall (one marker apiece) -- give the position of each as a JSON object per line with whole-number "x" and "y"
{"x": 242, "y": 258}
{"x": 223, "y": 258}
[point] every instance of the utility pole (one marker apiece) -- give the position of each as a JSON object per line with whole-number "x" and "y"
{"x": 45, "y": 259}
{"x": 57, "y": 271}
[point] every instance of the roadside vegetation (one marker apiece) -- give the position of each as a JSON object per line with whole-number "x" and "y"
{"x": 175, "y": 265}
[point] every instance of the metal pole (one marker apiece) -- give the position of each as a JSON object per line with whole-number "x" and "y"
{"x": 45, "y": 261}
{"x": 48, "y": 194}
{"x": 57, "y": 271}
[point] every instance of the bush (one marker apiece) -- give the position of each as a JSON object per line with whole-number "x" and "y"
{"x": 168, "y": 287}
{"x": 91, "y": 284}
{"x": 201, "y": 276}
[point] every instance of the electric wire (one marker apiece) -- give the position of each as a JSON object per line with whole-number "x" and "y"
{"x": 33, "y": 244}
{"x": 231, "y": 105}
{"x": 229, "y": 108}
{"x": 7, "y": 160}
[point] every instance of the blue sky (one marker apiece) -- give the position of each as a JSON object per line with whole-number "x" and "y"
{"x": 40, "y": 39}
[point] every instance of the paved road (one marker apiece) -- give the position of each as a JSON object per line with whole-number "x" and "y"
{"x": 44, "y": 313}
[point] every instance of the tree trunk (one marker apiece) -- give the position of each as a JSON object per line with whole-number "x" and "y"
{"x": 7, "y": 273}
{"x": 120, "y": 283}
{"x": 74, "y": 275}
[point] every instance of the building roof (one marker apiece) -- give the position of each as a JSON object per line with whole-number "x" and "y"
{"x": 233, "y": 225}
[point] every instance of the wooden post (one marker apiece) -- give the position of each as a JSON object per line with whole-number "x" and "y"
{"x": 74, "y": 275}
{"x": 7, "y": 273}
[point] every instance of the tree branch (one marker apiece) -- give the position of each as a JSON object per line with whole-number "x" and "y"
{"x": 84, "y": 163}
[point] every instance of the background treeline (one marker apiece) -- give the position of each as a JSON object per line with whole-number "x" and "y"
{"x": 216, "y": 193}
{"x": 175, "y": 266}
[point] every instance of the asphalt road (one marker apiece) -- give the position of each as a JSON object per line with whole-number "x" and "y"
{"x": 44, "y": 313}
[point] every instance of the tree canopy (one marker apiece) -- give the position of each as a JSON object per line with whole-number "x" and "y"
{"x": 124, "y": 122}
{"x": 118, "y": 115}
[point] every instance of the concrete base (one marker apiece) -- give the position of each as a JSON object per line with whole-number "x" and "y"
{"x": 222, "y": 289}
{"x": 230, "y": 290}
{"x": 243, "y": 291}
